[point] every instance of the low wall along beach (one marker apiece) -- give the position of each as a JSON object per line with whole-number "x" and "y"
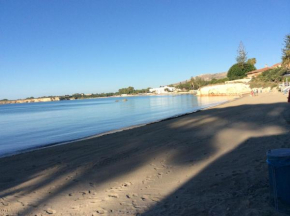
{"x": 232, "y": 89}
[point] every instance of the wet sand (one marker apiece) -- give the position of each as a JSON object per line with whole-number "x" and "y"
{"x": 207, "y": 163}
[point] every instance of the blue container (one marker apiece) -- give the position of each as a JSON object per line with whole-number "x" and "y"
{"x": 279, "y": 175}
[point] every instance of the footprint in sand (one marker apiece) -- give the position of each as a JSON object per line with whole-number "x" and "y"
{"x": 50, "y": 211}
{"x": 159, "y": 175}
{"x": 148, "y": 179}
{"x": 155, "y": 166}
{"x": 101, "y": 211}
{"x": 155, "y": 198}
{"x": 4, "y": 211}
{"x": 75, "y": 207}
{"x": 22, "y": 203}
{"x": 129, "y": 196}
{"x": 4, "y": 203}
{"x": 134, "y": 204}
{"x": 126, "y": 184}
{"x": 145, "y": 197}
{"x": 96, "y": 200}
{"x": 83, "y": 193}
{"x": 113, "y": 195}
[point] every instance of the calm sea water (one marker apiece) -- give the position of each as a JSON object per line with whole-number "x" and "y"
{"x": 28, "y": 126}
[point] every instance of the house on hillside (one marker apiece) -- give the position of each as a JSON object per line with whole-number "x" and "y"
{"x": 256, "y": 73}
{"x": 162, "y": 90}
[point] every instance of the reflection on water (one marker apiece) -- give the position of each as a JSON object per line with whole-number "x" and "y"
{"x": 24, "y": 126}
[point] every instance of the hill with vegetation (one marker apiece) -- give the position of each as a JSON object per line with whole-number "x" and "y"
{"x": 206, "y": 77}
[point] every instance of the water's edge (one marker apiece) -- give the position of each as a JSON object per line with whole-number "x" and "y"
{"x": 109, "y": 132}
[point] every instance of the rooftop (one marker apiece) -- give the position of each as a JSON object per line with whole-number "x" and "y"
{"x": 265, "y": 68}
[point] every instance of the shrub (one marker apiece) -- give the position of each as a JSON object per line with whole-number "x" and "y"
{"x": 260, "y": 84}
{"x": 239, "y": 70}
{"x": 218, "y": 81}
{"x": 269, "y": 78}
{"x": 272, "y": 75}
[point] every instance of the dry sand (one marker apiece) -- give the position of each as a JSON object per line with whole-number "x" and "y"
{"x": 207, "y": 163}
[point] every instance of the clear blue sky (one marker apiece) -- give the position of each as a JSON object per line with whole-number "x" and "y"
{"x": 57, "y": 47}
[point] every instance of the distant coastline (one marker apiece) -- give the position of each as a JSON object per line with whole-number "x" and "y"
{"x": 59, "y": 98}
{"x": 30, "y": 100}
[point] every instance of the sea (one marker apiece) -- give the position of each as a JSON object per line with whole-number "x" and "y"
{"x": 28, "y": 126}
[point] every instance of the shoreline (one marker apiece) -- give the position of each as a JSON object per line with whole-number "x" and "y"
{"x": 50, "y": 145}
{"x": 211, "y": 162}
{"x": 117, "y": 96}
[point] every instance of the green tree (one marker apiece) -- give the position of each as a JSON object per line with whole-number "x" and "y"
{"x": 252, "y": 61}
{"x": 192, "y": 82}
{"x": 129, "y": 90}
{"x": 239, "y": 70}
{"x": 185, "y": 85}
{"x": 199, "y": 82}
{"x": 242, "y": 54}
{"x": 286, "y": 53}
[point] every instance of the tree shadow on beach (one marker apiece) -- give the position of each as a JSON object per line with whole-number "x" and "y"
{"x": 231, "y": 182}
{"x": 235, "y": 184}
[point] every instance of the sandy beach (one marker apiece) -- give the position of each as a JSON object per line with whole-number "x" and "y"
{"x": 211, "y": 162}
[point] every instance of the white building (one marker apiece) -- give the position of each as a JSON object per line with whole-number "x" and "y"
{"x": 162, "y": 90}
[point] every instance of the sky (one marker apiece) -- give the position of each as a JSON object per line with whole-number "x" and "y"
{"x": 58, "y": 47}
